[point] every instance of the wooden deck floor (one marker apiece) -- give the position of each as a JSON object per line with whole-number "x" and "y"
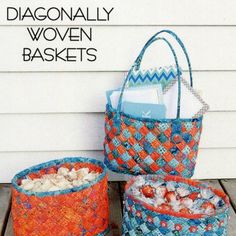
{"x": 116, "y": 190}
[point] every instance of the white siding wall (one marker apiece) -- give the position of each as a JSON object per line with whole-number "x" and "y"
{"x": 54, "y": 110}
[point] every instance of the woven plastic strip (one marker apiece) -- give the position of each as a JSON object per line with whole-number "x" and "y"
{"x": 142, "y": 219}
{"x": 79, "y": 211}
{"x": 135, "y": 145}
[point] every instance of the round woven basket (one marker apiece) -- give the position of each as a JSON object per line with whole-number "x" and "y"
{"x": 141, "y": 218}
{"x": 81, "y": 210}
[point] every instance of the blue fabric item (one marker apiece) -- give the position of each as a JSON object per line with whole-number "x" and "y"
{"x": 35, "y": 169}
{"x": 155, "y": 111}
{"x": 162, "y": 76}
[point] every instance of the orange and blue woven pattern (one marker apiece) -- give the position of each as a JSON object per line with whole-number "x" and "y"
{"x": 141, "y": 219}
{"x": 146, "y": 146}
{"x": 136, "y": 145}
{"x": 79, "y": 211}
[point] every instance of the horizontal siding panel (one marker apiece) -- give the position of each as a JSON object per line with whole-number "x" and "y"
{"x": 119, "y": 46}
{"x": 139, "y": 12}
{"x": 210, "y": 163}
{"x": 47, "y": 132}
{"x": 216, "y": 164}
{"x": 85, "y": 92}
{"x": 27, "y": 159}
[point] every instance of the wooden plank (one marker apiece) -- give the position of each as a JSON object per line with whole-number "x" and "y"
{"x": 146, "y": 13}
{"x": 232, "y": 219}
{"x": 79, "y": 92}
{"x": 115, "y": 209}
{"x": 4, "y": 205}
{"x": 122, "y": 191}
{"x": 230, "y": 187}
{"x": 37, "y": 132}
{"x": 9, "y": 228}
{"x": 210, "y": 52}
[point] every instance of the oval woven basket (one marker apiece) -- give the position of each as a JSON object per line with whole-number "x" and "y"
{"x": 141, "y": 218}
{"x": 81, "y": 210}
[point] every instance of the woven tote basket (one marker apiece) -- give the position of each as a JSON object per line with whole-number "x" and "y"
{"x": 81, "y": 210}
{"x": 136, "y": 145}
{"x": 142, "y": 219}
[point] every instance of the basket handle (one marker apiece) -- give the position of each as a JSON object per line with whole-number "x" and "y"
{"x": 178, "y": 40}
{"x": 153, "y": 39}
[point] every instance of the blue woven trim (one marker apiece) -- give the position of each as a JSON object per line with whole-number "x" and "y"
{"x": 39, "y": 167}
{"x": 111, "y": 109}
{"x": 104, "y": 232}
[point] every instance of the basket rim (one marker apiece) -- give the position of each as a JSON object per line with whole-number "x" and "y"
{"x": 55, "y": 162}
{"x": 165, "y": 120}
{"x": 190, "y": 182}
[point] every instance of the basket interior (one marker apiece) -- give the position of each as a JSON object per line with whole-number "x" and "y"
{"x": 192, "y": 185}
{"x": 52, "y": 167}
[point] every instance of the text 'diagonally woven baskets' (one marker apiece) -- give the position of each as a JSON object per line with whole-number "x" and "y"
{"x": 81, "y": 210}
{"x": 140, "y": 218}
